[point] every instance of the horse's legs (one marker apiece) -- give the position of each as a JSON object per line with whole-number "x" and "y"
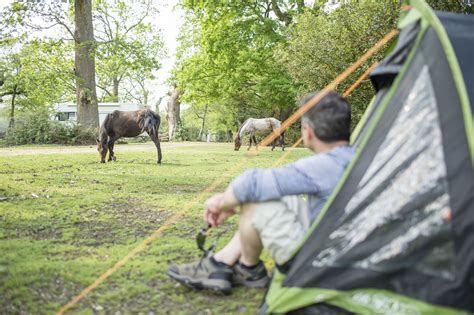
{"x": 103, "y": 148}
{"x": 255, "y": 142}
{"x": 154, "y": 137}
{"x": 250, "y": 140}
{"x": 282, "y": 141}
{"x": 110, "y": 144}
{"x": 273, "y": 144}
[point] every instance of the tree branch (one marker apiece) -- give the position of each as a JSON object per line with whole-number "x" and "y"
{"x": 106, "y": 23}
{"x": 17, "y": 92}
{"x": 51, "y": 14}
{"x": 301, "y": 5}
{"x": 104, "y": 89}
{"x": 140, "y": 21}
{"x": 6, "y": 93}
{"x": 60, "y": 22}
{"x": 282, "y": 16}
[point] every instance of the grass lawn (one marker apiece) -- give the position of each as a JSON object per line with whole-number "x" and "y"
{"x": 65, "y": 219}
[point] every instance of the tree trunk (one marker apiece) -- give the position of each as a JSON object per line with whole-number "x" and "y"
{"x": 12, "y": 113}
{"x": 301, "y": 5}
{"x": 157, "y": 105}
{"x": 172, "y": 113}
{"x": 285, "y": 113}
{"x": 203, "y": 123}
{"x": 86, "y": 95}
{"x": 115, "y": 90}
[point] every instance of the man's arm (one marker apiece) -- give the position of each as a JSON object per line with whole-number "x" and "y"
{"x": 220, "y": 207}
{"x": 258, "y": 185}
{"x": 266, "y": 184}
{"x": 228, "y": 201}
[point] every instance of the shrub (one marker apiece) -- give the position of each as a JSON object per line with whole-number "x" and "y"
{"x": 81, "y": 135}
{"x": 292, "y": 134}
{"x": 38, "y": 128}
{"x": 184, "y": 133}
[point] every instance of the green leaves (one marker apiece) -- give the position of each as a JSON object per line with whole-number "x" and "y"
{"x": 42, "y": 72}
{"x": 228, "y": 60}
{"x": 129, "y": 47}
{"x": 321, "y": 46}
{"x": 451, "y": 6}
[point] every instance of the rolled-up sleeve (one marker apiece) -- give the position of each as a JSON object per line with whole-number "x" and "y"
{"x": 258, "y": 185}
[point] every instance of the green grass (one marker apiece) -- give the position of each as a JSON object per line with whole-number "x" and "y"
{"x": 65, "y": 219}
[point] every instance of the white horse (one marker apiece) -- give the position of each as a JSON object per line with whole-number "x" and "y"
{"x": 252, "y": 125}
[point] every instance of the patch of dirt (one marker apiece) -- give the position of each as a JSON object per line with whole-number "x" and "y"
{"x": 32, "y": 230}
{"x": 56, "y": 290}
{"x": 128, "y": 220}
{"x": 115, "y": 223}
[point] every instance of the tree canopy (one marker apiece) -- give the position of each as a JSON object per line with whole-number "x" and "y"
{"x": 129, "y": 48}
{"x": 256, "y": 58}
{"x": 226, "y": 57}
{"x": 37, "y": 41}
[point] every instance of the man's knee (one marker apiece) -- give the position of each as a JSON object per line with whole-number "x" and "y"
{"x": 278, "y": 225}
{"x": 250, "y": 212}
{"x": 247, "y": 212}
{"x": 247, "y": 208}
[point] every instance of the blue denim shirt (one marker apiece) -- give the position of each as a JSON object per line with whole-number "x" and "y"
{"x": 316, "y": 176}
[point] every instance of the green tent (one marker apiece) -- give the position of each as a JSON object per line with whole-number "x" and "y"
{"x": 397, "y": 235}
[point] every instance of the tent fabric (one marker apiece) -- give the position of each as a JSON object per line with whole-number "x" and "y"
{"x": 397, "y": 236}
{"x": 461, "y": 35}
{"x": 390, "y": 66}
{"x": 355, "y": 236}
{"x": 383, "y": 75}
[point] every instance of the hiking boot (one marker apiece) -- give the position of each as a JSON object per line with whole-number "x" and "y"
{"x": 254, "y": 277}
{"x": 204, "y": 274}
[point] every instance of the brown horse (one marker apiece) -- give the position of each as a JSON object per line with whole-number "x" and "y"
{"x": 120, "y": 124}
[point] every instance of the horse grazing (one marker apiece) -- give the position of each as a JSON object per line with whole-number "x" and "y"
{"x": 253, "y": 125}
{"x": 120, "y": 124}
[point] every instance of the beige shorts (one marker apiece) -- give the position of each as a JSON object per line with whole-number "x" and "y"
{"x": 282, "y": 225}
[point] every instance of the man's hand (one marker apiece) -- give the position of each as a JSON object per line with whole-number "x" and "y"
{"x": 213, "y": 212}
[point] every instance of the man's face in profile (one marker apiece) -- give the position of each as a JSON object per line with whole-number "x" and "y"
{"x": 307, "y": 133}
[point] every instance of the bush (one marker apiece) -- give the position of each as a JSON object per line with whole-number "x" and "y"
{"x": 187, "y": 134}
{"x": 38, "y": 128}
{"x": 292, "y": 134}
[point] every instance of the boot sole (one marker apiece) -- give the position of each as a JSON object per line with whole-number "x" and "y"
{"x": 214, "y": 285}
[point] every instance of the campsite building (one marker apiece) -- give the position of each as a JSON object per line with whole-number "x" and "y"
{"x": 68, "y": 111}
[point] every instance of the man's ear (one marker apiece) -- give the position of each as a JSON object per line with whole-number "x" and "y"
{"x": 306, "y": 131}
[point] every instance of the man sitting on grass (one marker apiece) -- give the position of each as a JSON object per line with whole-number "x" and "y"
{"x": 272, "y": 215}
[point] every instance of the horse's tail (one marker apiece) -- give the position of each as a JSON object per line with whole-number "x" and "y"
{"x": 151, "y": 122}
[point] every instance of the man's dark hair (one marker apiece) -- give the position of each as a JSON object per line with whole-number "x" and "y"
{"x": 330, "y": 118}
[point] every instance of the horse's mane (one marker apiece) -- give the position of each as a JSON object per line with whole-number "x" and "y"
{"x": 240, "y": 128}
